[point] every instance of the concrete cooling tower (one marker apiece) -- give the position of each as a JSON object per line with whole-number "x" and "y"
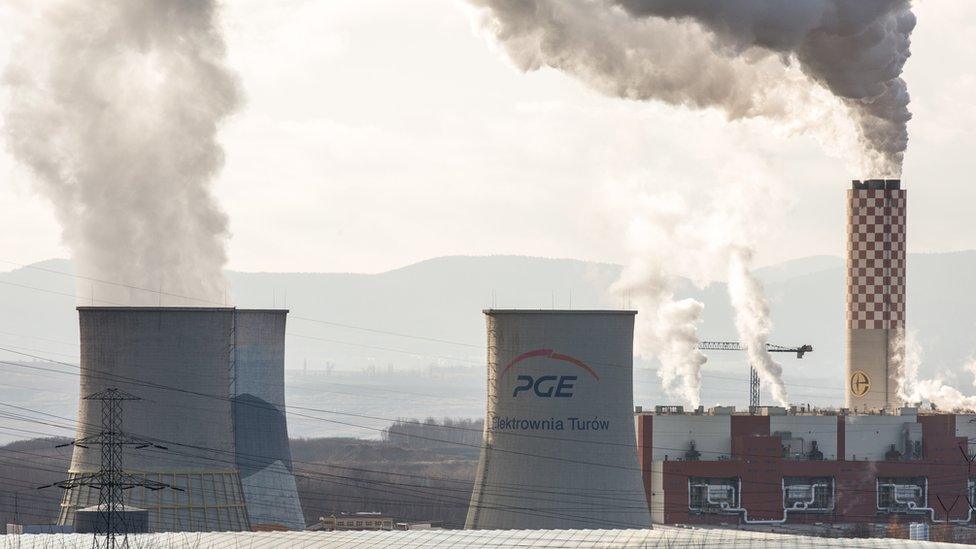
{"x": 260, "y": 429}
{"x": 559, "y": 447}
{"x": 876, "y": 238}
{"x": 192, "y": 368}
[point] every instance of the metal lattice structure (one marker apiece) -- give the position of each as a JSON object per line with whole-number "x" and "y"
{"x": 736, "y": 346}
{"x": 754, "y": 385}
{"x": 110, "y": 480}
{"x": 755, "y": 388}
{"x": 205, "y": 501}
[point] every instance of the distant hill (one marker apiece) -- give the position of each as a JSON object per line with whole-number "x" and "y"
{"x": 441, "y": 372}
{"x": 24, "y": 466}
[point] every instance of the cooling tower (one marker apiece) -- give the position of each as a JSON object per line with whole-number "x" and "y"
{"x": 876, "y": 214}
{"x": 186, "y": 364}
{"x": 261, "y": 432}
{"x": 559, "y": 445}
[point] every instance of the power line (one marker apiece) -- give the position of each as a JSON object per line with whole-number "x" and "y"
{"x": 340, "y": 412}
{"x": 319, "y": 321}
{"x": 543, "y": 456}
{"x": 519, "y": 496}
{"x": 290, "y": 409}
{"x": 110, "y": 480}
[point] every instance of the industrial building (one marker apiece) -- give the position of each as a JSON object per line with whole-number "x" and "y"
{"x": 806, "y": 466}
{"x": 210, "y": 383}
{"x": 874, "y": 462}
{"x": 353, "y": 521}
{"x": 559, "y": 446}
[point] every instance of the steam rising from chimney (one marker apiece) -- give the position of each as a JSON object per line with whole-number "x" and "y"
{"x": 700, "y": 240}
{"x": 667, "y": 329}
{"x": 749, "y": 58}
{"x": 906, "y": 354}
{"x": 115, "y": 106}
{"x": 752, "y": 321}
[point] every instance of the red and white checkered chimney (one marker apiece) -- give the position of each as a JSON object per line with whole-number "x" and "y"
{"x": 876, "y": 215}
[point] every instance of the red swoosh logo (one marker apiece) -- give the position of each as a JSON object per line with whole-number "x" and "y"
{"x": 549, "y": 353}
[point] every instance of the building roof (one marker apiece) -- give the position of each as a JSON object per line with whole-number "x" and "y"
{"x": 558, "y": 312}
{"x": 142, "y": 308}
{"x": 659, "y": 537}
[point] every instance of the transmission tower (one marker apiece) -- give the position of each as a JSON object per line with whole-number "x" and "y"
{"x": 110, "y": 480}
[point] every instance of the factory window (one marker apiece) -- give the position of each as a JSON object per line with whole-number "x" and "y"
{"x": 808, "y": 493}
{"x": 902, "y": 494}
{"x": 713, "y": 495}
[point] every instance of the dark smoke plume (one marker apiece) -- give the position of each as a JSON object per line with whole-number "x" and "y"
{"x": 735, "y": 55}
{"x": 115, "y": 106}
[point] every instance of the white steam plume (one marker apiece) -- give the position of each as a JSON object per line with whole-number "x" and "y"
{"x": 907, "y": 358}
{"x": 749, "y": 58}
{"x": 667, "y": 328}
{"x": 752, "y": 321}
{"x": 115, "y": 106}
{"x": 670, "y": 240}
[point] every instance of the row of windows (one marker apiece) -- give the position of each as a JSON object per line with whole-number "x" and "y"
{"x": 364, "y": 523}
{"x": 893, "y": 494}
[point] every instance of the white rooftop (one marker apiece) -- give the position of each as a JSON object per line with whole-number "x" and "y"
{"x": 661, "y": 537}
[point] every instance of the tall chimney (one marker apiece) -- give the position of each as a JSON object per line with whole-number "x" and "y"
{"x": 876, "y": 214}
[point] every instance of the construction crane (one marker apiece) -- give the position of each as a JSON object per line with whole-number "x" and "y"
{"x": 753, "y": 374}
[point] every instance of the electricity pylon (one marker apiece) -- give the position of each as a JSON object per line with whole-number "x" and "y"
{"x": 110, "y": 480}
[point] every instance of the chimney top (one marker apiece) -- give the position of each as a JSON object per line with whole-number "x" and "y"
{"x": 876, "y": 184}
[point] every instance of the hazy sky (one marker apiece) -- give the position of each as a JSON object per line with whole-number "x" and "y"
{"x": 381, "y": 132}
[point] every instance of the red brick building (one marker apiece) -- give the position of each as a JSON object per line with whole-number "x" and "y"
{"x": 797, "y": 467}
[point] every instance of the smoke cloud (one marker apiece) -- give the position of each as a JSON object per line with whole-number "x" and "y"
{"x": 749, "y": 58}
{"x": 753, "y": 323}
{"x": 115, "y": 106}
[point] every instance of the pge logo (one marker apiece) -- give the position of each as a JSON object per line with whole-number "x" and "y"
{"x": 547, "y": 386}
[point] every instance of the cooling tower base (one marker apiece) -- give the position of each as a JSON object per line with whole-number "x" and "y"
{"x": 209, "y": 501}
